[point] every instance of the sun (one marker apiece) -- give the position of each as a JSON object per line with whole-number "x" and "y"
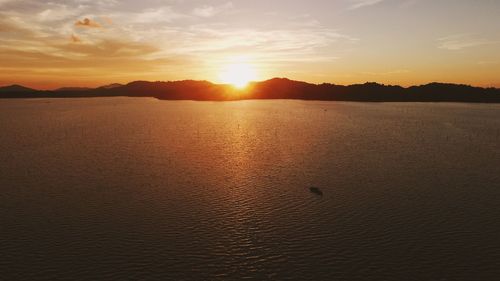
{"x": 238, "y": 74}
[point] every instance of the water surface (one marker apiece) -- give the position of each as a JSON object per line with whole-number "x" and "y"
{"x": 126, "y": 188}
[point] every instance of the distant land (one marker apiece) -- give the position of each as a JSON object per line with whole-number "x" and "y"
{"x": 276, "y": 88}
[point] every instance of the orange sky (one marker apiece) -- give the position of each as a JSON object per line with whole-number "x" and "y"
{"x": 59, "y": 43}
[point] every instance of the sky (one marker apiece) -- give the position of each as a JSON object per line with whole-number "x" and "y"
{"x": 87, "y": 43}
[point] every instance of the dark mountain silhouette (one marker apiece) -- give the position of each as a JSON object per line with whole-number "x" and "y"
{"x": 277, "y": 88}
{"x": 16, "y": 89}
{"x": 111, "y": 86}
{"x": 178, "y": 90}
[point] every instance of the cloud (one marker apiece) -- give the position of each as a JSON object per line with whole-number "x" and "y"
{"x": 87, "y": 23}
{"x": 210, "y": 11}
{"x": 154, "y": 38}
{"x": 150, "y": 16}
{"x": 5, "y": 1}
{"x": 32, "y": 66}
{"x": 109, "y": 48}
{"x": 276, "y": 40}
{"x": 461, "y": 41}
{"x": 75, "y": 39}
{"x": 8, "y": 26}
{"x": 16, "y": 27}
{"x": 57, "y": 12}
{"x": 356, "y": 4}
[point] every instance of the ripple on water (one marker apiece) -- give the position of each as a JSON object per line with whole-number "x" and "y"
{"x": 112, "y": 189}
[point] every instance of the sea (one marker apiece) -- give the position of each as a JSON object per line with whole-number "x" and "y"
{"x": 143, "y": 189}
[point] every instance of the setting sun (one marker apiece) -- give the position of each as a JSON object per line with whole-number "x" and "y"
{"x": 238, "y": 74}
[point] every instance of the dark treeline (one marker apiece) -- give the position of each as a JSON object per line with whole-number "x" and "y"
{"x": 277, "y": 88}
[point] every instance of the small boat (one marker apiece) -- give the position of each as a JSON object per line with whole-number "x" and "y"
{"x": 316, "y": 190}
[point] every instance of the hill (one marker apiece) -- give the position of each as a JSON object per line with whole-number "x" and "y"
{"x": 276, "y": 88}
{"x": 16, "y": 89}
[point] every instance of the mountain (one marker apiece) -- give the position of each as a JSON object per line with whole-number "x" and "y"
{"x": 276, "y": 88}
{"x": 16, "y": 89}
{"x": 76, "y": 89}
{"x": 176, "y": 90}
{"x": 111, "y": 86}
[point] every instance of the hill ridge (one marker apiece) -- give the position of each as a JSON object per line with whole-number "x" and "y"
{"x": 275, "y": 88}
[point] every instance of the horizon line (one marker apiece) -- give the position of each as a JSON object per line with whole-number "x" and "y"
{"x": 249, "y": 83}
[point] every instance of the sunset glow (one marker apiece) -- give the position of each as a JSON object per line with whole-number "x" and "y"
{"x": 238, "y": 74}
{"x": 60, "y": 43}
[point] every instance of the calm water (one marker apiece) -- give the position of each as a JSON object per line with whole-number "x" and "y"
{"x": 141, "y": 189}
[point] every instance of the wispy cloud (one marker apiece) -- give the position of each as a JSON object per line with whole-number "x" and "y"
{"x": 3, "y": 2}
{"x": 207, "y": 11}
{"x": 58, "y": 36}
{"x": 356, "y": 4}
{"x": 75, "y": 39}
{"x": 155, "y": 16}
{"x": 461, "y": 41}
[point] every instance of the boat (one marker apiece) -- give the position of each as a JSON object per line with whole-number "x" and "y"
{"x": 316, "y": 190}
